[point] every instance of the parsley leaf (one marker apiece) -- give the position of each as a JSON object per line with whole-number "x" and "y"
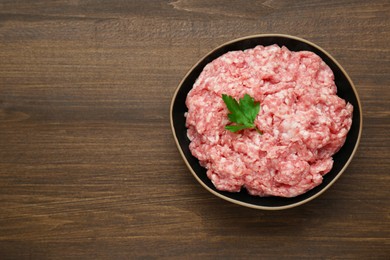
{"x": 243, "y": 114}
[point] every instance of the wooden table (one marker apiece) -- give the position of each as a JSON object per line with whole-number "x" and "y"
{"x": 88, "y": 165}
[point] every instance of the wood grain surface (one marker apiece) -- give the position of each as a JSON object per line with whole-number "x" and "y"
{"x": 88, "y": 165}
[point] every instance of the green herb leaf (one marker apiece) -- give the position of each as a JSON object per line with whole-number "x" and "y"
{"x": 242, "y": 113}
{"x": 235, "y": 128}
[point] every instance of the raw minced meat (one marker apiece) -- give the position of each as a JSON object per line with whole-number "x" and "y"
{"x": 303, "y": 121}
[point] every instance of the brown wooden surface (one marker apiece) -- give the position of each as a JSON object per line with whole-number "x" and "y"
{"x": 88, "y": 165}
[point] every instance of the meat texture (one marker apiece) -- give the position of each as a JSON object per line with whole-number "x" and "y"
{"x": 303, "y": 121}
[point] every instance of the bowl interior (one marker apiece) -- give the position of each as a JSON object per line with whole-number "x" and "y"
{"x": 342, "y": 158}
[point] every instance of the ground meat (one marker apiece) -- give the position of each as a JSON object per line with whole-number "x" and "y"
{"x": 302, "y": 119}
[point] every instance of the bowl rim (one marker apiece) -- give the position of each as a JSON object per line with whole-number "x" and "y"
{"x": 248, "y": 204}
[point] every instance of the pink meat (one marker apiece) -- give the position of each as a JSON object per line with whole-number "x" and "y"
{"x": 302, "y": 119}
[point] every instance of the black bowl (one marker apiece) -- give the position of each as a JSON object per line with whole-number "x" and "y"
{"x": 345, "y": 90}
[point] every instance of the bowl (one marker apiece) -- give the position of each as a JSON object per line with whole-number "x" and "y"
{"x": 345, "y": 90}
